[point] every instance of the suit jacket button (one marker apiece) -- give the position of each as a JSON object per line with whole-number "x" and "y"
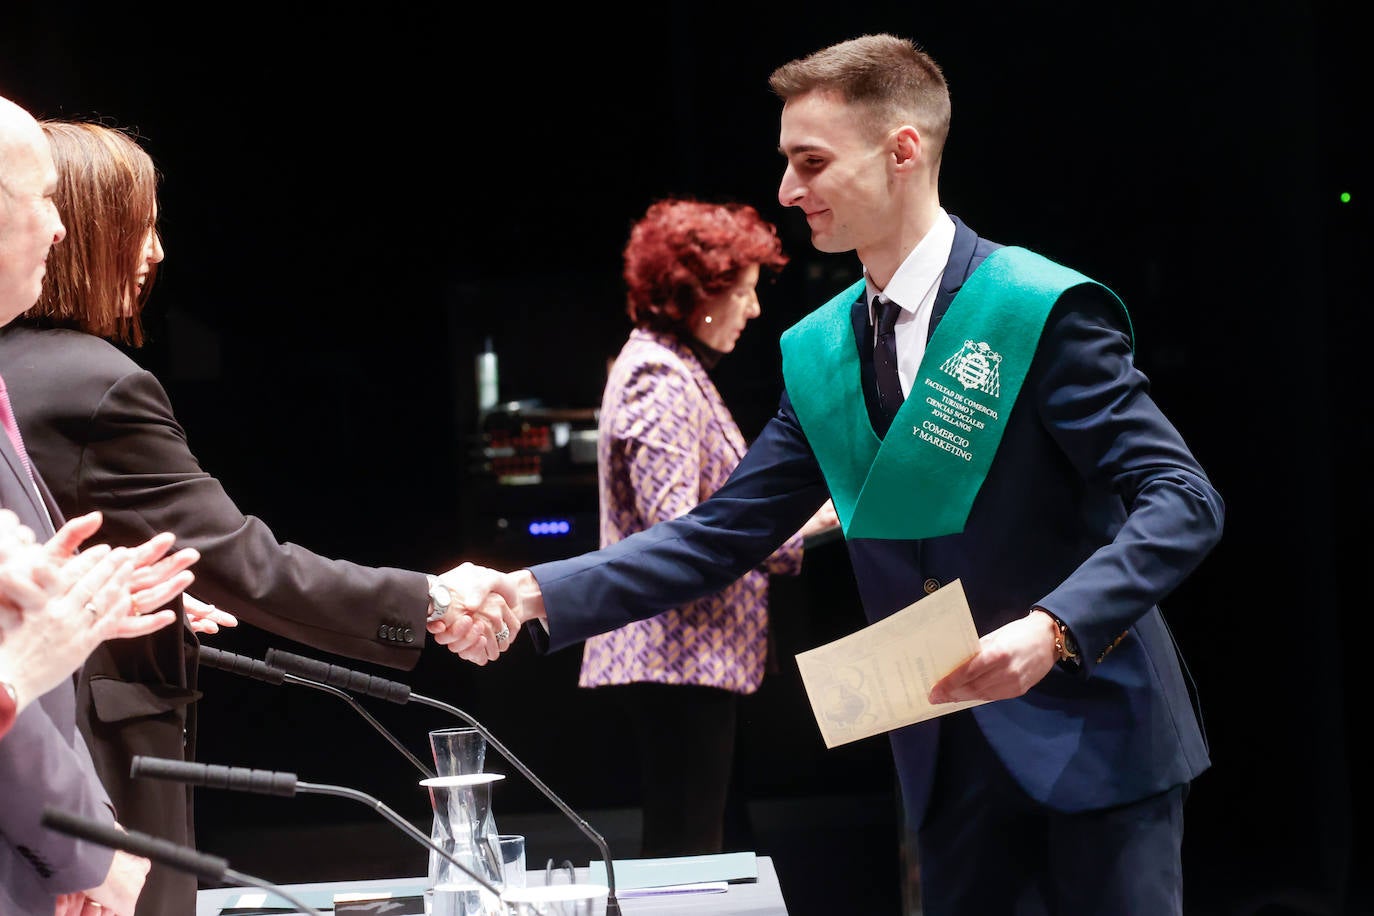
{"x": 931, "y": 586}
{"x": 407, "y": 635}
{"x": 381, "y": 632}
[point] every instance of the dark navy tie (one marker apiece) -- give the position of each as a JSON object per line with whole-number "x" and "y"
{"x": 885, "y": 360}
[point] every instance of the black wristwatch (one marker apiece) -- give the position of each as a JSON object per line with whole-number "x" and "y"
{"x": 440, "y": 597}
{"x": 1065, "y": 646}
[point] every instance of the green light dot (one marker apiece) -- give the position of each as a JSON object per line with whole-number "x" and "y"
{"x": 1345, "y": 197}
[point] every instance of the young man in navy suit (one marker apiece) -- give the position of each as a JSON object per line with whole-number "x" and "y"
{"x": 995, "y": 430}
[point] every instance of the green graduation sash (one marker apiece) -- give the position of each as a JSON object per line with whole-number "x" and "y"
{"x": 921, "y": 479}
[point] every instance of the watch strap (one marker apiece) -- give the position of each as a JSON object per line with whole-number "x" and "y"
{"x": 1065, "y": 646}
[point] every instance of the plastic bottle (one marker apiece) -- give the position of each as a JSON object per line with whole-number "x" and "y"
{"x": 488, "y": 378}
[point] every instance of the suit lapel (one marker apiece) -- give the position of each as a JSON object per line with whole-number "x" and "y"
{"x": 957, "y": 269}
{"x": 20, "y": 497}
{"x": 702, "y": 379}
{"x": 724, "y": 421}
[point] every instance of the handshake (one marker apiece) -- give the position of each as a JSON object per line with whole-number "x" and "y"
{"x": 487, "y": 612}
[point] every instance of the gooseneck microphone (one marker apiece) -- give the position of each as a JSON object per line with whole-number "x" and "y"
{"x": 271, "y": 782}
{"x": 251, "y": 667}
{"x": 395, "y": 692}
{"x": 212, "y": 869}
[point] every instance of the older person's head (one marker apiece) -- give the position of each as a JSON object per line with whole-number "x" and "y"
{"x": 691, "y": 267}
{"x": 29, "y": 224}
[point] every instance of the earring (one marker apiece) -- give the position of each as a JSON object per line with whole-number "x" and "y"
{"x": 706, "y": 320}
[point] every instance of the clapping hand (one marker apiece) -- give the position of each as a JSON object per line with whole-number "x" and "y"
{"x": 57, "y": 605}
{"x": 205, "y": 618}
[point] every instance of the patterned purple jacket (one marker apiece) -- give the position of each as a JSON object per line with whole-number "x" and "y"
{"x": 666, "y": 442}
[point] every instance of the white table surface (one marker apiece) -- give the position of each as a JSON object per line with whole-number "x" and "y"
{"x": 758, "y": 898}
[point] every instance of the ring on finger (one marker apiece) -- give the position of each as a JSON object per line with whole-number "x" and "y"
{"x": 504, "y": 634}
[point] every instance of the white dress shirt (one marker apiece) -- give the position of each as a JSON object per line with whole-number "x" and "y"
{"x": 913, "y": 287}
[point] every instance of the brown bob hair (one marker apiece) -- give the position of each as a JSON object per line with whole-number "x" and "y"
{"x": 107, "y": 198}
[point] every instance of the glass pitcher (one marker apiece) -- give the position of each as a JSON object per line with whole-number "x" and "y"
{"x": 463, "y": 824}
{"x": 461, "y": 806}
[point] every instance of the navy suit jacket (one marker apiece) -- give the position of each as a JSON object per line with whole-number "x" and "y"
{"x": 1093, "y": 508}
{"x": 44, "y": 761}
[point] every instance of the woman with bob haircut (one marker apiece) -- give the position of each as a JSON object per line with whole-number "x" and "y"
{"x": 102, "y": 432}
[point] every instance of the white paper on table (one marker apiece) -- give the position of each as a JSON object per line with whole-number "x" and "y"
{"x": 667, "y": 890}
{"x": 879, "y": 678}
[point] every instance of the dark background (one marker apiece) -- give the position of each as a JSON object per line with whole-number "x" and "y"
{"x": 353, "y": 200}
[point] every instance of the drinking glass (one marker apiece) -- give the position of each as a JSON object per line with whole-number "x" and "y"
{"x": 511, "y": 855}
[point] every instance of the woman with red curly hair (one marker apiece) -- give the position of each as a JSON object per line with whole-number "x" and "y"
{"x": 666, "y": 441}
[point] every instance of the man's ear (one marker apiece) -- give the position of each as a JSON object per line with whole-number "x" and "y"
{"x": 907, "y": 148}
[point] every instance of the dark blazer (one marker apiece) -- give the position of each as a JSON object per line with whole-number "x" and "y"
{"x": 1093, "y": 508}
{"x": 44, "y": 760}
{"x": 102, "y": 431}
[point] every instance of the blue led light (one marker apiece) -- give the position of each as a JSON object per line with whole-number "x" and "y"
{"x": 557, "y": 527}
